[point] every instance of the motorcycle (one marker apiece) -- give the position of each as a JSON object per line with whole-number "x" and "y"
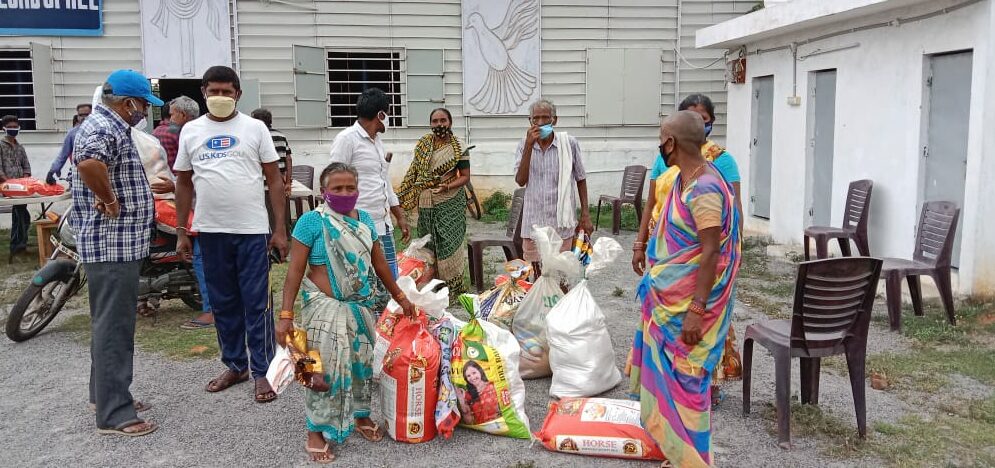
{"x": 164, "y": 275}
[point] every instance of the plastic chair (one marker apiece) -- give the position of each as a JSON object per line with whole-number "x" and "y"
{"x": 305, "y": 175}
{"x": 510, "y": 242}
{"x": 858, "y": 205}
{"x": 631, "y": 193}
{"x": 934, "y": 247}
{"x": 832, "y": 312}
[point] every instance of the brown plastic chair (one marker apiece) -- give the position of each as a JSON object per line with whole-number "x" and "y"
{"x": 631, "y": 193}
{"x": 305, "y": 175}
{"x": 934, "y": 247}
{"x": 832, "y": 311}
{"x": 858, "y": 205}
{"x": 510, "y": 242}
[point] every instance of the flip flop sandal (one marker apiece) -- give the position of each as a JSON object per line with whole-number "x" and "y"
{"x": 374, "y": 429}
{"x": 331, "y": 456}
{"x": 717, "y": 399}
{"x": 120, "y": 430}
{"x": 261, "y": 395}
{"x": 196, "y": 325}
{"x": 226, "y": 380}
{"x": 140, "y": 406}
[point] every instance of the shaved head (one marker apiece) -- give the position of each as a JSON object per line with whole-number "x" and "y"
{"x": 687, "y": 127}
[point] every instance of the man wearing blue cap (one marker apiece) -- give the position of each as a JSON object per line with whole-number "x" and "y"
{"x": 112, "y": 214}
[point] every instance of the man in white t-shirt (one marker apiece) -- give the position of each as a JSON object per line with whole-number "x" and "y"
{"x": 360, "y": 146}
{"x": 228, "y": 158}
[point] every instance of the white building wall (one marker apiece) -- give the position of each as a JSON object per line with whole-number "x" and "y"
{"x": 878, "y": 128}
{"x": 267, "y": 30}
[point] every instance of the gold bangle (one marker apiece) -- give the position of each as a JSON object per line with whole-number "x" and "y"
{"x": 697, "y": 308}
{"x": 286, "y": 315}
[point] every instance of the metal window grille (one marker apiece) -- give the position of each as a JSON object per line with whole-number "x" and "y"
{"x": 350, "y": 72}
{"x": 16, "y": 86}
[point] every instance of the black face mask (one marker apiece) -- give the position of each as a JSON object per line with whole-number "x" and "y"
{"x": 441, "y": 131}
{"x": 666, "y": 157}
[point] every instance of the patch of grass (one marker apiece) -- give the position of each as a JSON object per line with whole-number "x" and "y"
{"x": 618, "y": 292}
{"x": 926, "y": 369}
{"x": 948, "y": 440}
{"x": 760, "y": 302}
{"x": 23, "y": 263}
{"x": 781, "y": 289}
{"x": 524, "y": 464}
{"x": 495, "y": 207}
{"x": 810, "y": 420}
{"x": 630, "y": 222}
{"x": 161, "y": 334}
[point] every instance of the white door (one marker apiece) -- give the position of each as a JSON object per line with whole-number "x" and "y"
{"x": 821, "y": 131}
{"x": 948, "y": 85}
{"x": 761, "y": 146}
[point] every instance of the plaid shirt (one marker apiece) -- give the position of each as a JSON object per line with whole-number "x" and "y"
{"x": 13, "y": 160}
{"x": 168, "y": 134}
{"x": 104, "y": 136}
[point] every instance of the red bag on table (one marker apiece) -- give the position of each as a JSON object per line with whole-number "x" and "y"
{"x": 600, "y": 427}
{"x": 30, "y": 187}
{"x": 409, "y": 385}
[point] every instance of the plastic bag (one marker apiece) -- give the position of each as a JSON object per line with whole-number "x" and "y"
{"x": 409, "y": 385}
{"x": 417, "y": 261}
{"x": 490, "y": 392}
{"x": 154, "y": 160}
{"x": 447, "y": 414}
{"x": 581, "y": 354}
{"x": 29, "y": 187}
{"x": 599, "y": 427}
{"x": 424, "y": 299}
{"x": 500, "y": 303}
{"x": 529, "y": 325}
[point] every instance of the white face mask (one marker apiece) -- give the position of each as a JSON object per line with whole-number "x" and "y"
{"x": 385, "y": 119}
{"x": 221, "y": 107}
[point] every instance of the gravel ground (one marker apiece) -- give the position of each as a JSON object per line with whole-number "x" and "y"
{"x": 45, "y": 420}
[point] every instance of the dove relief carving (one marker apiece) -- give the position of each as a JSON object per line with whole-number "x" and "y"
{"x": 506, "y": 84}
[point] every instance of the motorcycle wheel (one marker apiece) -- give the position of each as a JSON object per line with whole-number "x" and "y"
{"x": 193, "y": 301}
{"x": 36, "y": 308}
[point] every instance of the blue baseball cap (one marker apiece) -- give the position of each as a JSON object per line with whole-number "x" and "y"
{"x": 133, "y": 84}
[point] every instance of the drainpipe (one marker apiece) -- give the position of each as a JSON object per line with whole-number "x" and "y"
{"x": 677, "y": 52}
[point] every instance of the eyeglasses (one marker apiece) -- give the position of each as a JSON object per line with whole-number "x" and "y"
{"x": 540, "y": 120}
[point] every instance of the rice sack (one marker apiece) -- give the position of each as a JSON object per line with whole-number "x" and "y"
{"x": 489, "y": 391}
{"x": 597, "y": 426}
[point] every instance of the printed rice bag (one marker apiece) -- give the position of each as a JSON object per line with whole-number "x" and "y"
{"x": 490, "y": 393}
{"x": 599, "y": 427}
{"x": 500, "y": 303}
{"x": 29, "y": 187}
{"x": 580, "y": 348}
{"x": 425, "y": 300}
{"x": 409, "y": 385}
{"x": 529, "y": 325}
{"x": 417, "y": 261}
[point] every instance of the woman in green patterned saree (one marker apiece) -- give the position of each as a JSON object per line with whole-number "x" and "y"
{"x": 434, "y": 184}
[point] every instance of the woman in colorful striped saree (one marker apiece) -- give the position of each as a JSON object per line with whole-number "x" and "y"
{"x": 685, "y": 295}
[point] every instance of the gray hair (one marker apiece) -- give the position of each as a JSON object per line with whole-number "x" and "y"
{"x": 186, "y": 105}
{"x": 335, "y": 168}
{"x": 109, "y": 99}
{"x": 543, "y": 103}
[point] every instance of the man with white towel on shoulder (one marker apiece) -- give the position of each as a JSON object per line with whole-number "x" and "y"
{"x": 549, "y": 166}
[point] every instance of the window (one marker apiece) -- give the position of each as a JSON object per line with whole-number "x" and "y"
{"x": 17, "y": 87}
{"x": 350, "y": 72}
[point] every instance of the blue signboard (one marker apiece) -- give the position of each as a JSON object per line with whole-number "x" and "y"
{"x": 51, "y": 17}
